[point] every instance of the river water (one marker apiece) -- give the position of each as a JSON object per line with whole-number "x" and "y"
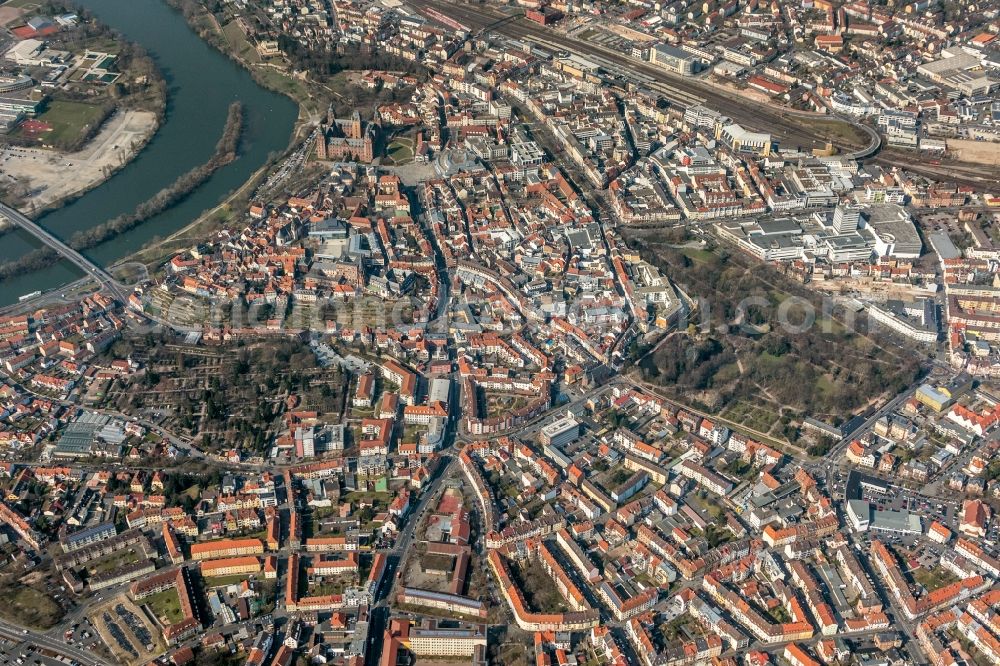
{"x": 201, "y": 84}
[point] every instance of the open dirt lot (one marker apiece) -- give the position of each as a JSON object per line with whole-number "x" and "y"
{"x": 976, "y": 152}
{"x": 52, "y": 176}
{"x": 10, "y": 14}
{"x": 628, "y": 33}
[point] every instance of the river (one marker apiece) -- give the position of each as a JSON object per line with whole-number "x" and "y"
{"x": 201, "y": 84}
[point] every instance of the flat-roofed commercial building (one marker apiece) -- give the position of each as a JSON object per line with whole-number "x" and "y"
{"x": 440, "y": 391}
{"x": 743, "y": 140}
{"x": 561, "y": 432}
{"x": 864, "y": 517}
{"x": 674, "y": 59}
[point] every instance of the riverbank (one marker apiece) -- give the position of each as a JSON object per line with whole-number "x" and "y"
{"x": 268, "y": 75}
{"x": 156, "y": 253}
{"x": 311, "y": 98}
{"x": 53, "y": 178}
{"x": 87, "y": 130}
{"x": 202, "y": 84}
{"x": 226, "y": 151}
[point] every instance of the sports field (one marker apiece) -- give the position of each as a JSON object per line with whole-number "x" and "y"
{"x": 61, "y": 122}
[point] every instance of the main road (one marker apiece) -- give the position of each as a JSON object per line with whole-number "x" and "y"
{"x": 36, "y": 639}
{"x": 104, "y": 280}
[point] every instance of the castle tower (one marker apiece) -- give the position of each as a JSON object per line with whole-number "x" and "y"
{"x": 355, "y": 132}
{"x": 321, "y": 152}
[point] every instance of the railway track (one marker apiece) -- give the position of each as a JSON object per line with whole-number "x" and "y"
{"x": 979, "y": 177}
{"x": 681, "y": 91}
{"x": 790, "y": 128}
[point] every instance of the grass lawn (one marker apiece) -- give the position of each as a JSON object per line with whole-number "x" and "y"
{"x": 324, "y": 511}
{"x": 400, "y": 151}
{"x": 104, "y": 44}
{"x": 238, "y": 41}
{"x": 288, "y": 85}
{"x": 933, "y": 579}
{"x": 673, "y": 630}
{"x": 708, "y": 506}
{"x": 370, "y": 497}
{"x": 116, "y": 561}
{"x": 28, "y": 606}
{"x": 326, "y": 588}
{"x": 22, "y": 3}
{"x": 166, "y": 604}
{"x": 223, "y": 581}
{"x": 695, "y": 254}
{"x": 756, "y": 416}
{"x": 839, "y": 132}
{"x": 412, "y": 431}
{"x": 437, "y": 562}
{"x": 68, "y": 120}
